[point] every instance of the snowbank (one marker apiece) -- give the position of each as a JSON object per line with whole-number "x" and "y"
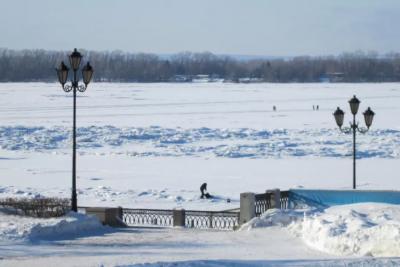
{"x": 364, "y": 229}
{"x": 272, "y": 217}
{"x": 22, "y": 228}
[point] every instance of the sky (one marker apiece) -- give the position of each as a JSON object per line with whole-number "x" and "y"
{"x": 236, "y": 27}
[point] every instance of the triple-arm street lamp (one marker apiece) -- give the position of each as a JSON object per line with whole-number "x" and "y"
{"x": 62, "y": 73}
{"x": 368, "y": 117}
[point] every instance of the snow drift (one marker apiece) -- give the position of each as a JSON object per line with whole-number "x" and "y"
{"x": 367, "y": 229}
{"x": 13, "y": 227}
{"x": 364, "y": 229}
{"x": 272, "y": 217}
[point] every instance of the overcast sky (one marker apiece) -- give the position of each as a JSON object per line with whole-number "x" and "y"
{"x": 243, "y": 27}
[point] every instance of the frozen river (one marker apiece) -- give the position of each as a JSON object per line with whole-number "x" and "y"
{"x": 152, "y": 145}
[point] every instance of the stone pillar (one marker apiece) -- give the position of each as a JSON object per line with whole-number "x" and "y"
{"x": 178, "y": 218}
{"x": 107, "y": 216}
{"x": 275, "y": 198}
{"x": 120, "y": 213}
{"x": 247, "y": 207}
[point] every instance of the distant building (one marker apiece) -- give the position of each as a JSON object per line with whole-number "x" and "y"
{"x": 201, "y": 78}
{"x": 205, "y": 78}
{"x": 231, "y": 80}
{"x": 181, "y": 79}
{"x": 332, "y": 77}
{"x": 250, "y": 80}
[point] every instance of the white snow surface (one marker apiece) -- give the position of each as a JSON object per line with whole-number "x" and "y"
{"x": 239, "y": 263}
{"x": 273, "y": 217}
{"x": 357, "y": 235}
{"x": 153, "y": 145}
{"x": 20, "y": 228}
{"x": 363, "y": 229}
{"x": 201, "y": 142}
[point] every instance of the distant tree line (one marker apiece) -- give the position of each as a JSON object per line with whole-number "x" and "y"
{"x": 117, "y": 66}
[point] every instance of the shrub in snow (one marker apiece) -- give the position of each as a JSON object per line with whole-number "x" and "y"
{"x": 37, "y": 207}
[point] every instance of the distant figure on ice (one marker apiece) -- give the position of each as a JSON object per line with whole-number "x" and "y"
{"x": 203, "y": 190}
{"x": 317, "y": 107}
{"x": 274, "y": 108}
{"x": 313, "y": 107}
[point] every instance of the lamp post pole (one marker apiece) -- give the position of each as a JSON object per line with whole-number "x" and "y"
{"x": 74, "y": 199}
{"x": 368, "y": 117}
{"x": 62, "y": 73}
{"x": 354, "y": 126}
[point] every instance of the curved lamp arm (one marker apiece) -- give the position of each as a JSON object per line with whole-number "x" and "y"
{"x": 346, "y": 130}
{"x": 362, "y": 130}
{"x": 67, "y": 88}
{"x": 81, "y": 88}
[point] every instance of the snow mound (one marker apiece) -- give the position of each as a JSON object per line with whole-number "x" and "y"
{"x": 363, "y": 229}
{"x": 272, "y": 217}
{"x": 73, "y": 225}
{"x": 366, "y": 229}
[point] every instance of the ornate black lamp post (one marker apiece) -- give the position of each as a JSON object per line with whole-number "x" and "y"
{"x": 87, "y": 73}
{"x": 368, "y": 117}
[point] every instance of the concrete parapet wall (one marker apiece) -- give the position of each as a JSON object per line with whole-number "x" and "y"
{"x": 179, "y": 218}
{"x": 107, "y": 216}
{"x": 275, "y": 198}
{"x": 325, "y": 198}
{"x": 247, "y": 207}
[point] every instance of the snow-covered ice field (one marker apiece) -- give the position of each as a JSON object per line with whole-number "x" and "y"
{"x": 153, "y": 145}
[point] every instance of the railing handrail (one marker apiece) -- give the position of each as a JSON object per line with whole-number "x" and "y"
{"x": 187, "y": 211}
{"x": 222, "y": 220}
{"x": 150, "y": 210}
{"x": 263, "y": 201}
